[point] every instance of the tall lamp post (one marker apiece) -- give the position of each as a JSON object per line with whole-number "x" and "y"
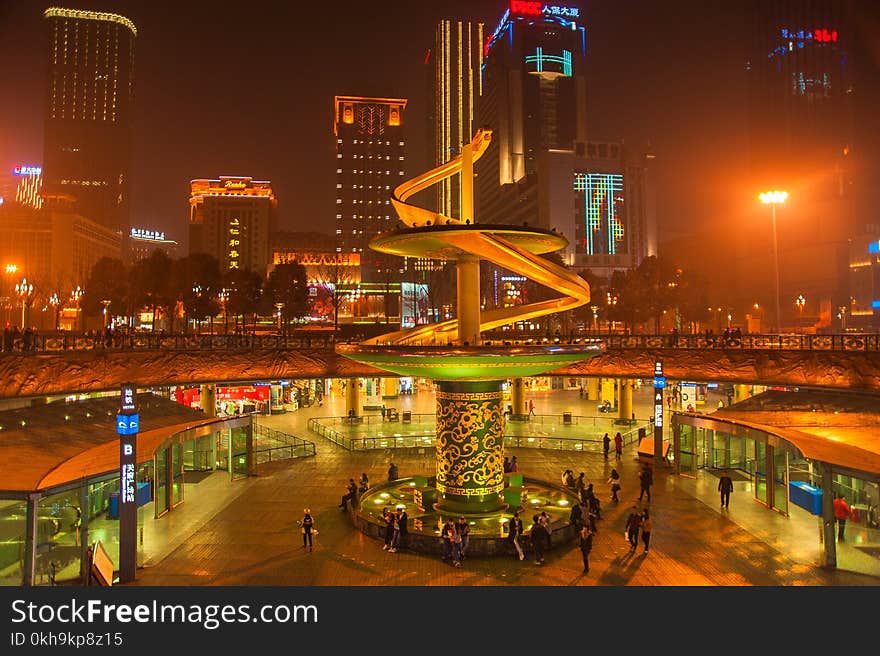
{"x": 774, "y": 198}
{"x": 75, "y": 295}
{"x": 24, "y": 289}
{"x": 55, "y": 302}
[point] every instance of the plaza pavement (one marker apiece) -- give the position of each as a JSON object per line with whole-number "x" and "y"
{"x": 244, "y": 533}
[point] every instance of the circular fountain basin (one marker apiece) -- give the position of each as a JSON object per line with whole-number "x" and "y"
{"x": 487, "y": 534}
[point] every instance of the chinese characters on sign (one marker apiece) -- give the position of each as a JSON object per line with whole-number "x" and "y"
{"x": 234, "y": 242}
{"x": 126, "y": 483}
{"x": 659, "y": 384}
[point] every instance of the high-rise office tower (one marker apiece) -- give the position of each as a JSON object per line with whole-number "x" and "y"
{"x": 801, "y": 99}
{"x": 541, "y": 168}
{"x": 233, "y": 219}
{"x": 87, "y": 141}
{"x": 454, "y": 68}
{"x": 370, "y": 163}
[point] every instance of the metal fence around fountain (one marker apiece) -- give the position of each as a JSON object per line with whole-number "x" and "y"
{"x": 630, "y": 430}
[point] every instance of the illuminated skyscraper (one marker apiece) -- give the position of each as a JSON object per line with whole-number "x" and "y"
{"x": 801, "y": 138}
{"x": 87, "y": 141}
{"x": 541, "y": 168}
{"x": 233, "y": 218}
{"x": 370, "y": 163}
{"x": 454, "y": 67}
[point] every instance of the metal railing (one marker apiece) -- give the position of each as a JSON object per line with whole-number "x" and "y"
{"x": 629, "y": 431}
{"x": 125, "y": 342}
{"x": 284, "y": 446}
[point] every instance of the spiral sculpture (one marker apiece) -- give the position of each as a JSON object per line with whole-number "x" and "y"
{"x": 469, "y": 375}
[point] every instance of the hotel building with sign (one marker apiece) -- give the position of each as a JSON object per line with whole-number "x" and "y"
{"x": 232, "y": 218}
{"x": 88, "y": 123}
{"x": 370, "y": 163}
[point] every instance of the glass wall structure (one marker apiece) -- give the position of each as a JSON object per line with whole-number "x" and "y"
{"x": 782, "y": 478}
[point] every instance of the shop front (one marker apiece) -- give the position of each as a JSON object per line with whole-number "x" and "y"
{"x": 790, "y": 472}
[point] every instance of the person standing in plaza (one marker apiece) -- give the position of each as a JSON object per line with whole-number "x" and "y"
{"x": 646, "y": 529}
{"x": 447, "y": 534}
{"x": 514, "y": 466}
{"x": 725, "y": 487}
{"x": 606, "y": 445}
{"x": 614, "y": 482}
{"x": 585, "y": 538}
{"x": 618, "y": 445}
{"x": 392, "y": 472}
{"x": 646, "y": 480}
{"x": 580, "y": 487}
{"x": 632, "y": 528}
{"x": 544, "y": 518}
{"x": 464, "y": 531}
{"x": 539, "y": 539}
{"x": 388, "y": 518}
{"x": 402, "y": 519}
{"x": 394, "y": 515}
{"x": 514, "y": 532}
{"x": 842, "y": 512}
{"x": 308, "y": 525}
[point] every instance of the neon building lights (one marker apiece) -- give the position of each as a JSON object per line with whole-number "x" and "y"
{"x": 539, "y": 59}
{"x": 602, "y": 203}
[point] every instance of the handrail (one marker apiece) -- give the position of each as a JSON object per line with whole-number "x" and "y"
{"x": 74, "y": 342}
{"x": 428, "y": 438}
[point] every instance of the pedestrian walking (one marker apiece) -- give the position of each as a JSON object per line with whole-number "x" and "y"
{"x": 618, "y": 445}
{"x": 646, "y": 480}
{"x": 606, "y": 445}
{"x": 539, "y": 539}
{"x": 646, "y": 529}
{"x": 514, "y": 532}
{"x": 842, "y": 512}
{"x": 531, "y": 407}
{"x": 585, "y": 538}
{"x": 576, "y": 518}
{"x": 614, "y": 482}
{"x": 725, "y": 487}
{"x": 631, "y": 531}
{"x": 580, "y": 486}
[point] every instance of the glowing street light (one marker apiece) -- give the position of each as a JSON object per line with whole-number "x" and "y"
{"x": 800, "y": 301}
{"x": 55, "y": 301}
{"x": 75, "y": 295}
{"x": 25, "y": 290}
{"x": 774, "y": 198}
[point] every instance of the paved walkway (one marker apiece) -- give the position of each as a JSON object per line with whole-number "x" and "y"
{"x": 245, "y": 533}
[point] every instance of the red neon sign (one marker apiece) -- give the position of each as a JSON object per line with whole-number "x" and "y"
{"x": 525, "y": 8}
{"x": 825, "y": 36}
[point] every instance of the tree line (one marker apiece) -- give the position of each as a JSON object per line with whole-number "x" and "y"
{"x": 194, "y": 288}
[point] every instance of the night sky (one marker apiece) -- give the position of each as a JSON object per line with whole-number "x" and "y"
{"x": 247, "y": 88}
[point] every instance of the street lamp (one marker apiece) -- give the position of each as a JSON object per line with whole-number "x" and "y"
{"x": 75, "y": 295}
{"x": 106, "y": 304}
{"x": 610, "y": 301}
{"x": 25, "y": 290}
{"x": 223, "y": 296}
{"x": 774, "y": 198}
{"x": 800, "y": 301}
{"x": 595, "y": 309}
{"x": 55, "y": 301}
